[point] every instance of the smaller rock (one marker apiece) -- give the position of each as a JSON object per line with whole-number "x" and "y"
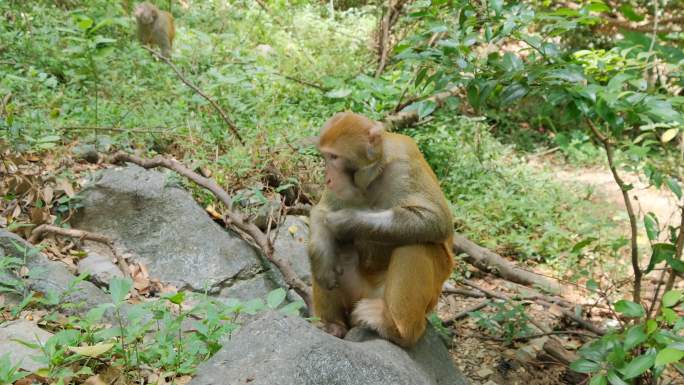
{"x": 100, "y": 268}
{"x": 20, "y": 354}
{"x": 256, "y": 287}
{"x": 484, "y": 372}
{"x": 490, "y": 382}
{"x": 87, "y": 152}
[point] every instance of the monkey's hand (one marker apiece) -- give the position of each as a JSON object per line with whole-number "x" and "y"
{"x": 325, "y": 262}
{"x": 342, "y": 222}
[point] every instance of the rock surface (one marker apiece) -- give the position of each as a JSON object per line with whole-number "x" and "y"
{"x": 47, "y": 275}
{"x": 163, "y": 227}
{"x": 21, "y": 354}
{"x": 276, "y": 349}
{"x": 99, "y": 265}
{"x": 290, "y": 244}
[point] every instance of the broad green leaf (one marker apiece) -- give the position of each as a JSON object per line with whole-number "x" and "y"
{"x": 674, "y": 187}
{"x": 630, "y": 13}
{"x": 669, "y": 135}
{"x": 629, "y": 308}
{"x": 585, "y": 366}
{"x": 661, "y": 252}
{"x": 598, "y": 380}
{"x": 651, "y": 326}
{"x": 651, "y": 225}
{"x": 598, "y": 6}
{"x": 93, "y": 351}
{"x": 668, "y": 356}
{"x": 512, "y": 93}
{"x": 638, "y": 366}
{"x": 671, "y": 298}
{"x": 119, "y": 288}
{"x": 634, "y": 337}
{"x": 275, "y": 298}
{"x": 614, "y": 379}
{"x": 669, "y": 315}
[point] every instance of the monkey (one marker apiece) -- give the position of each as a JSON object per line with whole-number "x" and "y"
{"x": 380, "y": 243}
{"x": 155, "y": 27}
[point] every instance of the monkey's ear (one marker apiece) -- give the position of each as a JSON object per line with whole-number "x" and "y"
{"x": 375, "y": 134}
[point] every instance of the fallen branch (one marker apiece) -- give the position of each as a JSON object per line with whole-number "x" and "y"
{"x": 237, "y": 219}
{"x": 231, "y": 126}
{"x": 39, "y": 232}
{"x": 489, "y": 261}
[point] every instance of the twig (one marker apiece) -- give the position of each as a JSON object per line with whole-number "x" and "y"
{"x": 679, "y": 247}
{"x": 538, "y": 335}
{"x": 636, "y": 291}
{"x": 38, "y": 233}
{"x": 224, "y": 116}
{"x": 389, "y": 18}
{"x": 237, "y": 219}
{"x": 581, "y": 321}
{"x": 450, "y": 321}
{"x": 152, "y": 130}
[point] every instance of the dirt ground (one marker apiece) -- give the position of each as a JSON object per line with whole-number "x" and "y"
{"x": 487, "y": 361}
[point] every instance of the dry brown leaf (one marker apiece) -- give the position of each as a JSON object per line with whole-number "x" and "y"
{"x": 65, "y": 185}
{"x": 39, "y": 215}
{"x": 94, "y": 380}
{"x": 182, "y": 380}
{"x": 212, "y": 212}
{"x": 48, "y": 193}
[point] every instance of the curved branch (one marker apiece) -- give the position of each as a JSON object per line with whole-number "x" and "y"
{"x": 234, "y": 218}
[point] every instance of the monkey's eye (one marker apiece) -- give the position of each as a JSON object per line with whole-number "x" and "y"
{"x": 333, "y": 156}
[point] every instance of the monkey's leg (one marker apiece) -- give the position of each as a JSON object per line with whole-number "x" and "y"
{"x": 331, "y": 307}
{"x": 412, "y": 287}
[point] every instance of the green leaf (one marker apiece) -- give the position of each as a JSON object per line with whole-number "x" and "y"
{"x": 119, "y": 288}
{"x": 651, "y": 225}
{"x": 339, "y": 93}
{"x": 668, "y": 356}
{"x": 176, "y": 298}
{"x": 630, "y": 13}
{"x": 651, "y": 326}
{"x": 639, "y": 365}
{"x": 669, "y": 135}
{"x": 598, "y": 6}
{"x": 674, "y": 187}
{"x": 512, "y": 93}
{"x": 661, "y": 252}
{"x": 634, "y": 337}
{"x": 614, "y": 379}
{"x": 598, "y": 380}
{"x": 292, "y": 308}
{"x": 669, "y": 315}
{"x": 671, "y": 298}
{"x": 275, "y": 298}
{"x": 629, "y": 308}
{"x": 585, "y": 366}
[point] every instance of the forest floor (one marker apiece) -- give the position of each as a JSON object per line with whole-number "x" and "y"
{"x": 489, "y": 361}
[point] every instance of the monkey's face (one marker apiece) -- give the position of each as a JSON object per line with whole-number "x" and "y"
{"x": 339, "y": 176}
{"x": 145, "y": 14}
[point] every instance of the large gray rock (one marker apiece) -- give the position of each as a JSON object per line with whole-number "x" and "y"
{"x": 47, "y": 275}
{"x": 163, "y": 227}
{"x": 21, "y": 355}
{"x": 276, "y": 349}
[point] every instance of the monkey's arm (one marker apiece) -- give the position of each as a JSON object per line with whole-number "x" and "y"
{"x": 415, "y": 222}
{"x": 323, "y": 250}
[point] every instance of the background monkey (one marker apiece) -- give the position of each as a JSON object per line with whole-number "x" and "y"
{"x": 380, "y": 242}
{"x": 155, "y": 27}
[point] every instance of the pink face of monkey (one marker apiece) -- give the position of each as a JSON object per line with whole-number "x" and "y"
{"x": 146, "y": 13}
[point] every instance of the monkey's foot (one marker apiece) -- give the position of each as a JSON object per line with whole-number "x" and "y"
{"x": 337, "y": 330}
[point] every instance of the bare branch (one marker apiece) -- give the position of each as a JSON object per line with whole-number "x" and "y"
{"x": 624, "y": 188}
{"x": 235, "y": 218}
{"x": 231, "y": 125}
